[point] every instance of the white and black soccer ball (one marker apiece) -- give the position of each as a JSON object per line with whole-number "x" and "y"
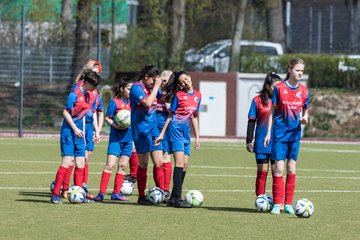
{"x": 155, "y": 195}
{"x": 304, "y": 208}
{"x": 263, "y": 203}
{"x": 195, "y": 198}
{"x": 127, "y": 188}
{"x": 76, "y": 195}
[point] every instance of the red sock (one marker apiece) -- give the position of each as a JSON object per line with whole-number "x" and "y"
{"x": 134, "y": 163}
{"x": 158, "y": 175}
{"x": 67, "y": 177}
{"x": 260, "y": 183}
{"x": 79, "y": 176}
{"x": 86, "y": 173}
{"x": 60, "y": 176}
{"x": 278, "y": 189}
{"x": 105, "y": 178}
{"x": 119, "y": 178}
{"x": 167, "y": 169}
{"x": 289, "y": 188}
{"x": 141, "y": 180}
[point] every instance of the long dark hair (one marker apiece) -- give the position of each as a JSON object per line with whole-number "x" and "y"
{"x": 172, "y": 86}
{"x": 291, "y": 65}
{"x": 118, "y": 85}
{"x": 149, "y": 70}
{"x": 267, "y": 91}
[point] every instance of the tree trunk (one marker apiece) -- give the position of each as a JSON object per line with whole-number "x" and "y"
{"x": 354, "y": 18}
{"x": 66, "y": 21}
{"x": 239, "y": 27}
{"x": 276, "y": 30}
{"x": 82, "y": 36}
{"x": 177, "y": 32}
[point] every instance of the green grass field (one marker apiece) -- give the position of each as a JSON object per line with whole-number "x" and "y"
{"x": 328, "y": 175}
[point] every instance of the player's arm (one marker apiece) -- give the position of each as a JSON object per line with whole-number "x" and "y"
{"x": 163, "y": 131}
{"x": 305, "y": 117}
{"x": 270, "y": 123}
{"x": 195, "y": 124}
{"x": 250, "y": 135}
{"x": 71, "y": 123}
{"x": 96, "y": 137}
{"x": 148, "y": 101}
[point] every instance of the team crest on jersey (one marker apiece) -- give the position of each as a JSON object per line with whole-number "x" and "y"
{"x": 196, "y": 99}
{"x": 185, "y": 98}
{"x": 299, "y": 94}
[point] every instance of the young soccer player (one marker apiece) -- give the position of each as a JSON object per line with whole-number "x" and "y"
{"x": 290, "y": 109}
{"x": 72, "y": 135}
{"x": 143, "y": 93}
{"x": 184, "y": 110}
{"x": 120, "y": 141}
{"x": 162, "y": 113}
{"x": 259, "y": 113}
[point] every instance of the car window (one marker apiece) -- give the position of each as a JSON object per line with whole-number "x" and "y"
{"x": 259, "y": 50}
{"x": 208, "y": 49}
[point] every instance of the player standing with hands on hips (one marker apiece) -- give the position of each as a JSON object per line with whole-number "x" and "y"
{"x": 259, "y": 114}
{"x": 290, "y": 109}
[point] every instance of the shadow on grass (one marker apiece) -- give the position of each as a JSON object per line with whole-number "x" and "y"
{"x": 34, "y": 201}
{"x": 35, "y": 194}
{"x": 231, "y": 209}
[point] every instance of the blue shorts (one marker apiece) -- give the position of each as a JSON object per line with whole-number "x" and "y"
{"x": 120, "y": 148}
{"x": 285, "y": 150}
{"x": 262, "y": 158}
{"x": 165, "y": 144}
{"x": 147, "y": 144}
{"x": 89, "y": 134}
{"x": 179, "y": 147}
{"x": 70, "y": 145}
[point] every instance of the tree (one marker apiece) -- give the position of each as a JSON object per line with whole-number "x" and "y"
{"x": 177, "y": 31}
{"x": 354, "y": 15}
{"x": 275, "y": 21}
{"x": 237, "y": 35}
{"x": 66, "y": 21}
{"x": 82, "y": 35}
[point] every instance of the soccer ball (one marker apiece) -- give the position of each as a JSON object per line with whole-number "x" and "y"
{"x": 194, "y": 198}
{"x": 127, "y": 188}
{"x": 304, "y": 208}
{"x": 52, "y": 185}
{"x": 76, "y": 194}
{"x": 123, "y": 118}
{"x": 155, "y": 195}
{"x": 263, "y": 203}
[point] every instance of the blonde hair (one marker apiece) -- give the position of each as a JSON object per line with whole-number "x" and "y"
{"x": 166, "y": 74}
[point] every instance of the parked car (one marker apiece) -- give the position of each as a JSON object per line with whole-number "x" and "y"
{"x": 215, "y": 56}
{"x": 348, "y": 63}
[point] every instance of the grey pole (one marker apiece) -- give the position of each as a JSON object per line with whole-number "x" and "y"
{"x": 21, "y": 72}
{"x": 331, "y": 26}
{"x": 310, "y": 28}
{"x": 287, "y": 23}
{"x": 319, "y": 33}
{"x": 99, "y": 34}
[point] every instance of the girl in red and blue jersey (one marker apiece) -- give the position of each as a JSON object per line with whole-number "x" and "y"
{"x": 143, "y": 93}
{"x": 184, "y": 111}
{"x": 72, "y": 135}
{"x": 120, "y": 141}
{"x": 290, "y": 109}
{"x": 259, "y": 113}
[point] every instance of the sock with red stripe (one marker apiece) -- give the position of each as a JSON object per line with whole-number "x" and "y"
{"x": 79, "y": 176}
{"x": 167, "y": 169}
{"x": 134, "y": 163}
{"x": 158, "y": 175}
{"x": 105, "y": 178}
{"x": 86, "y": 173}
{"x": 260, "y": 183}
{"x": 67, "y": 177}
{"x": 278, "y": 189}
{"x": 60, "y": 176}
{"x": 119, "y": 179}
{"x": 141, "y": 180}
{"x": 289, "y": 188}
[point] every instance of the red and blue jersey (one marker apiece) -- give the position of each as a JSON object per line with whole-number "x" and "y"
{"x": 288, "y": 103}
{"x": 161, "y": 112}
{"x": 143, "y": 119}
{"x": 117, "y": 135}
{"x": 260, "y": 114}
{"x": 184, "y": 105}
{"x": 77, "y": 105}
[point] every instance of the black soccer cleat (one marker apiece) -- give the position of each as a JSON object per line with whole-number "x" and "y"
{"x": 181, "y": 204}
{"x": 143, "y": 201}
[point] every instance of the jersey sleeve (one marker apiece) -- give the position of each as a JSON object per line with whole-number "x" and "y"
{"x": 307, "y": 100}
{"x": 198, "y": 108}
{"x": 174, "y": 104}
{"x": 137, "y": 94}
{"x": 100, "y": 106}
{"x": 275, "y": 96}
{"x": 70, "y": 101}
{"x": 110, "y": 111}
{"x": 252, "y": 110}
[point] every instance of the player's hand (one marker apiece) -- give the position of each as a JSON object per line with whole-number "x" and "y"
{"x": 96, "y": 137}
{"x": 304, "y": 120}
{"x": 267, "y": 140}
{"x": 158, "y": 82}
{"x": 197, "y": 144}
{"x": 79, "y": 133}
{"x": 158, "y": 140}
{"x": 250, "y": 147}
